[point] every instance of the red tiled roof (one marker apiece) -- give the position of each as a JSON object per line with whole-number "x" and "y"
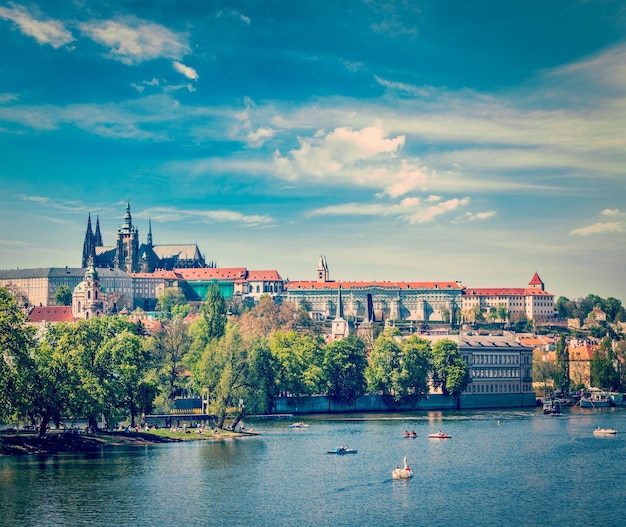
{"x": 211, "y": 273}
{"x": 169, "y": 275}
{"x": 51, "y": 314}
{"x": 584, "y": 352}
{"x": 535, "y": 280}
{"x": 504, "y": 291}
{"x": 311, "y": 284}
{"x": 264, "y": 275}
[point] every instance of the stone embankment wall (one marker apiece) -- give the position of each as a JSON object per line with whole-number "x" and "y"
{"x": 375, "y": 403}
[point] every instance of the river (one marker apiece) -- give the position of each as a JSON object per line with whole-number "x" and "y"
{"x": 500, "y": 467}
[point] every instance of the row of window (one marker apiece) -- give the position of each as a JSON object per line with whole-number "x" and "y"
{"x": 489, "y": 358}
{"x": 503, "y": 373}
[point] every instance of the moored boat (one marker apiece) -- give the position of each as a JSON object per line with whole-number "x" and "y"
{"x": 597, "y": 400}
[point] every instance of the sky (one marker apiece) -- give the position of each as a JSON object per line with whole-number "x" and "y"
{"x": 404, "y": 140}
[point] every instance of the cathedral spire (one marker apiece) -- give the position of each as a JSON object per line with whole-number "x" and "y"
{"x": 339, "y": 313}
{"x": 88, "y": 244}
{"x": 149, "y": 232}
{"x": 98, "y": 235}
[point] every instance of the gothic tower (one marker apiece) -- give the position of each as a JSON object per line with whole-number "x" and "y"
{"x": 97, "y": 235}
{"x": 89, "y": 249}
{"x": 322, "y": 270}
{"x": 340, "y": 328}
{"x": 127, "y": 250}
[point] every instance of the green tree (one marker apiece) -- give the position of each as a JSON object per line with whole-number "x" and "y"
{"x": 450, "y": 372}
{"x": 225, "y": 369}
{"x": 213, "y": 311}
{"x": 343, "y": 369}
{"x": 298, "y": 362}
{"x": 169, "y": 345}
{"x": 561, "y": 373}
{"x": 172, "y": 302}
{"x": 63, "y": 296}
{"x": 602, "y": 369}
{"x": 543, "y": 371}
{"x": 129, "y": 361}
{"x": 398, "y": 370}
{"x": 16, "y": 342}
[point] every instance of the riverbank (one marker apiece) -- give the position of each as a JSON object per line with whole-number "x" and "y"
{"x": 26, "y": 443}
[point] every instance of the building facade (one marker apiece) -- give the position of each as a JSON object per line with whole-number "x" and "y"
{"x": 532, "y": 302}
{"x": 500, "y": 368}
{"x": 438, "y": 302}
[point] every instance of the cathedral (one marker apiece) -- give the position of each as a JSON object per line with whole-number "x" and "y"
{"x": 131, "y": 256}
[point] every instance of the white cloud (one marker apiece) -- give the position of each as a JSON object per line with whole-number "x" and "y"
{"x": 8, "y": 97}
{"x": 188, "y": 72}
{"x": 48, "y": 31}
{"x": 206, "y": 216}
{"x": 132, "y": 41}
{"x": 600, "y": 228}
{"x": 430, "y": 213}
{"x": 476, "y": 216}
{"x": 610, "y": 212}
{"x": 233, "y": 14}
{"x": 326, "y": 154}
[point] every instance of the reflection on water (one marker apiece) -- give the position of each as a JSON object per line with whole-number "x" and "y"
{"x": 513, "y": 467}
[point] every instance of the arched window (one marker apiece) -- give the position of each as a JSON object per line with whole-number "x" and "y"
{"x": 88, "y": 294}
{"x": 96, "y": 293}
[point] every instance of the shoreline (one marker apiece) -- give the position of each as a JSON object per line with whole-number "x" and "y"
{"x": 14, "y": 443}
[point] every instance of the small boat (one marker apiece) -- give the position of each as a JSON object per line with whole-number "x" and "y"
{"x": 342, "y": 450}
{"x": 412, "y": 433}
{"x": 439, "y": 435}
{"x": 402, "y": 473}
{"x": 552, "y": 407}
{"x": 298, "y": 425}
{"x": 605, "y": 431}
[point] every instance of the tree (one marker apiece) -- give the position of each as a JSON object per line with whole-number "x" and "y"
{"x": 381, "y": 363}
{"x": 543, "y": 371}
{"x": 16, "y": 342}
{"x": 602, "y": 370}
{"x": 562, "y": 373}
{"x": 63, "y": 296}
{"x": 172, "y": 302}
{"x": 213, "y": 311}
{"x": 129, "y": 361}
{"x": 450, "y": 372}
{"x": 298, "y": 362}
{"x": 170, "y": 344}
{"x": 226, "y": 368}
{"x": 268, "y": 317}
{"x": 343, "y": 369}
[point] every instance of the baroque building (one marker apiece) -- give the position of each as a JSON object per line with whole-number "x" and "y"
{"x": 389, "y": 301}
{"x": 130, "y": 255}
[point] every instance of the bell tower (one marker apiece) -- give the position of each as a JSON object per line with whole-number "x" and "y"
{"x": 127, "y": 250}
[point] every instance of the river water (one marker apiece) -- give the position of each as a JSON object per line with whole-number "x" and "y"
{"x": 515, "y": 467}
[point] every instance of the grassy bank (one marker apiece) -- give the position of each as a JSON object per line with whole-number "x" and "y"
{"x": 23, "y": 443}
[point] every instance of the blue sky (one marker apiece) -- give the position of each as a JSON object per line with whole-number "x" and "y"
{"x": 405, "y": 140}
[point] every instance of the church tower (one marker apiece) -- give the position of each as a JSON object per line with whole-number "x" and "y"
{"x": 340, "y": 328}
{"x": 88, "y": 298}
{"x": 322, "y": 270}
{"x": 127, "y": 250}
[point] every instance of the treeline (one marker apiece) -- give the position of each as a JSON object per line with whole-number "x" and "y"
{"x": 108, "y": 367}
{"x": 581, "y": 308}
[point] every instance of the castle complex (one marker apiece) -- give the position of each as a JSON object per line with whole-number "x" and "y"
{"x": 133, "y": 274}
